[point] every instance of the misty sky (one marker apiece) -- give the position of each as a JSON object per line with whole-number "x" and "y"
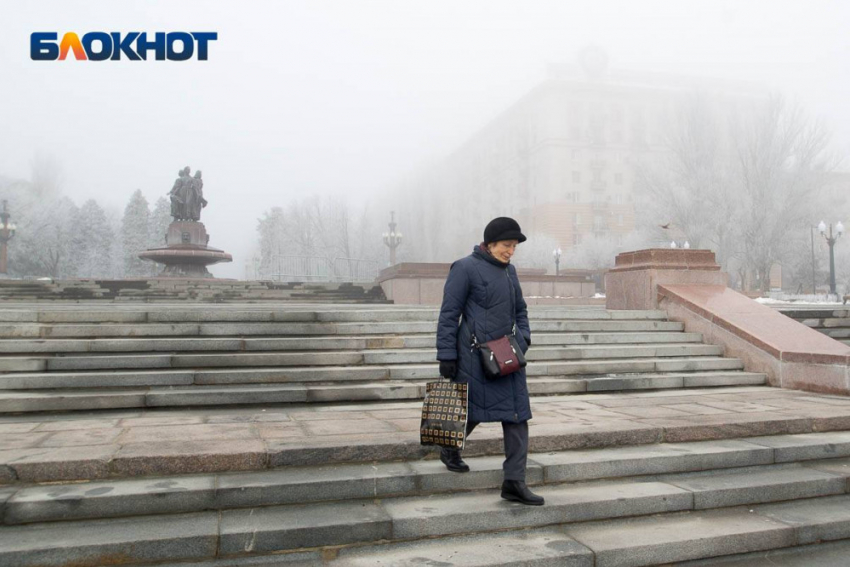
{"x": 345, "y": 97}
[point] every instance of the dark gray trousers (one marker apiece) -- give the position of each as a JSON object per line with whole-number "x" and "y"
{"x": 516, "y": 448}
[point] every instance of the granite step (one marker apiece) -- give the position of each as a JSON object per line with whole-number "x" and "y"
{"x": 199, "y": 395}
{"x": 741, "y": 471}
{"x": 183, "y": 329}
{"x": 623, "y": 522}
{"x": 66, "y": 362}
{"x": 358, "y": 372}
{"x": 831, "y": 554}
{"x": 293, "y": 314}
{"x": 110, "y": 452}
{"x": 230, "y": 344}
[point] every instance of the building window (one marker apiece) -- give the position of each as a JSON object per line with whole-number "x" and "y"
{"x": 576, "y": 154}
{"x": 619, "y": 220}
{"x": 618, "y": 178}
{"x": 576, "y": 219}
{"x": 576, "y": 239}
{"x": 572, "y": 197}
{"x": 576, "y": 177}
{"x": 618, "y": 199}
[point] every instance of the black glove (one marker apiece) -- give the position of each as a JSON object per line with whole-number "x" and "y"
{"x": 448, "y": 369}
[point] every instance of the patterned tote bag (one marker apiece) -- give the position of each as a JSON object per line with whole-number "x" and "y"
{"x": 444, "y": 414}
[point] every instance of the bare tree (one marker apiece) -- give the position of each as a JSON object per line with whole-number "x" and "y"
{"x": 691, "y": 188}
{"x": 740, "y": 180}
{"x": 783, "y": 163}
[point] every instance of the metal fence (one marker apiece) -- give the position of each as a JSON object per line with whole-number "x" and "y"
{"x": 318, "y": 269}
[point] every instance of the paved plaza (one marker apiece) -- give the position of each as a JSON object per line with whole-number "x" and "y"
{"x": 132, "y": 443}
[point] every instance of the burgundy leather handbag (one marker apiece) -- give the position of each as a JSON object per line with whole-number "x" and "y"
{"x": 502, "y": 356}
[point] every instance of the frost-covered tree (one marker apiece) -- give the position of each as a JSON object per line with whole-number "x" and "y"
{"x": 134, "y": 235}
{"x": 93, "y": 242}
{"x": 160, "y": 218}
{"x": 742, "y": 180}
{"x": 536, "y": 252}
{"x": 43, "y": 242}
{"x": 594, "y": 253}
{"x": 317, "y": 237}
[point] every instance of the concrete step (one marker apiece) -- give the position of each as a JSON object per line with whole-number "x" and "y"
{"x": 622, "y": 522}
{"x": 831, "y": 554}
{"x": 251, "y": 439}
{"x": 197, "y": 395}
{"x": 740, "y": 472}
{"x": 690, "y": 536}
{"x": 175, "y": 377}
{"x": 86, "y": 330}
{"x": 67, "y": 362}
{"x": 291, "y": 314}
{"x": 229, "y": 344}
{"x": 528, "y": 548}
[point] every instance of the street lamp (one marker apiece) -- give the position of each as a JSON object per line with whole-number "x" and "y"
{"x": 831, "y": 240}
{"x": 392, "y": 238}
{"x": 556, "y": 253}
{"x": 7, "y": 231}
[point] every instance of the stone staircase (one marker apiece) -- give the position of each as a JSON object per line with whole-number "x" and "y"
{"x": 833, "y": 323}
{"x": 165, "y": 290}
{"x": 84, "y": 359}
{"x": 650, "y": 447}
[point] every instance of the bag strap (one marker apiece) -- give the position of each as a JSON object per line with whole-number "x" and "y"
{"x": 513, "y": 300}
{"x": 475, "y": 343}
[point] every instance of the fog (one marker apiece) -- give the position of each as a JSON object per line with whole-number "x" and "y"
{"x": 346, "y": 98}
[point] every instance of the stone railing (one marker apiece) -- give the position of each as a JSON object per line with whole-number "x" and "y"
{"x": 689, "y": 285}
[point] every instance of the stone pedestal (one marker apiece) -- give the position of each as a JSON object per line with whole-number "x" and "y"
{"x": 186, "y": 254}
{"x": 633, "y": 281}
{"x": 422, "y": 284}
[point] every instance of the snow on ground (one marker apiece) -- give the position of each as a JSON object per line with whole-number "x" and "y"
{"x": 799, "y": 300}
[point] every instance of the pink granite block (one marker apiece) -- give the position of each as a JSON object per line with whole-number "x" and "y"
{"x": 750, "y": 319}
{"x": 828, "y": 379}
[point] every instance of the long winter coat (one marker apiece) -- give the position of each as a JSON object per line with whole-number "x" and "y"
{"x": 483, "y": 293}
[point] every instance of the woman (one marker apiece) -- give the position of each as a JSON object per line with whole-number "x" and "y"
{"x": 482, "y": 294}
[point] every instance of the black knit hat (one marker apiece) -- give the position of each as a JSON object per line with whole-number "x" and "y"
{"x": 503, "y": 228}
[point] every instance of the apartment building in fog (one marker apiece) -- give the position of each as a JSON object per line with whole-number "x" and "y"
{"x": 562, "y": 159}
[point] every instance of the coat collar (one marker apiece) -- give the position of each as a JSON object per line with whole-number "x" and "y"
{"x": 483, "y": 254}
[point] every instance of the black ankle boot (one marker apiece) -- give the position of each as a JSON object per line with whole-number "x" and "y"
{"x": 517, "y": 491}
{"x": 453, "y": 461}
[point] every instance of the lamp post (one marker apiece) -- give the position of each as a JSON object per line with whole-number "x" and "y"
{"x": 556, "y": 253}
{"x": 392, "y": 238}
{"x": 7, "y": 231}
{"x": 831, "y": 240}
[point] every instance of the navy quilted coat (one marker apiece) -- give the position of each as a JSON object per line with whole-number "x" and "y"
{"x": 479, "y": 294}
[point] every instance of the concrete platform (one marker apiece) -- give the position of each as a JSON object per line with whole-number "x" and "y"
{"x": 115, "y": 444}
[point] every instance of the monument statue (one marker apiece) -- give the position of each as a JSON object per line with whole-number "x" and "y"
{"x": 196, "y": 197}
{"x": 186, "y": 253}
{"x": 187, "y": 196}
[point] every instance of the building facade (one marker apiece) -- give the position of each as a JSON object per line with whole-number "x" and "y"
{"x": 563, "y": 159}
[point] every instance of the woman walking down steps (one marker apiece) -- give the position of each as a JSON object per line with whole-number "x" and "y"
{"x": 482, "y": 295}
